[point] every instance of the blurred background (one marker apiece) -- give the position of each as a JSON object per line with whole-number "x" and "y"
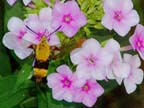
{"x": 115, "y": 98}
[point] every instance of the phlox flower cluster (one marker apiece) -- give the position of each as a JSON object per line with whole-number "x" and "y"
{"x": 67, "y": 86}
{"x": 24, "y": 33}
{"x": 94, "y": 62}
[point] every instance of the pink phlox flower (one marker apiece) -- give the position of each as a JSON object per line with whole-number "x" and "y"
{"x": 136, "y": 74}
{"x": 62, "y": 83}
{"x": 137, "y": 40}
{"x": 88, "y": 92}
{"x": 117, "y": 68}
{"x": 14, "y": 39}
{"x": 69, "y": 16}
{"x": 40, "y": 26}
{"x": 119, "y": 15}
{"x": 12, "y": 2}
{"x": 91, "y": 60}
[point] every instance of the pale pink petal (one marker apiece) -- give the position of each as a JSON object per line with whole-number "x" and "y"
{"x": 15, "y": 25}
{"x": 83, "y": 72}
{"x": 11, "y": 2}
{"x": 89, "y": 100}
{"x": 119, "y": 80}
{"x": 141, "y": 54}
{"x": 31, "y": 37}
{"x": 105, "y": 57}
{"x": 108, "y": 21}
{"x": 32, "y": 17}
{"x": 51, "y": 79}
{"x": 130, "y": 86}
{"x": 9, "y": 40}
{"x": 78, "y": 96}
{"x": 76, "y": 57}
{"x": 127, "y": 58}
{"x": 45, "y": 14}
{"x": 110, "y": 5}
{"x": 126, "y": 5}
{"x": 54, "y": 40}
{"x": 81, "y": 21}
{"x": 91, "y": 45}
{"x": 113, "y": 46}
{"x": 131, "y": 18}
{"x": 70, "y": 31}
{"x": 109, "y": 73}
{"x": 121, "y": 70}
{"x": 98, "y": 89}
{"x": 135, "y": 61}
{"x": 58, "y": 93}
{"x": 99, "y": 73}
{"x": 68, "y": 96}
{"x": 121, "y": 29}
{"x": 138, "y": 76}
{"x": 64, "y": 70}
{"x": 58, "y": 9}
{"x": 26, "y": 2}
{"x": 23, "y": 52}
{"x": 72, "y": 7}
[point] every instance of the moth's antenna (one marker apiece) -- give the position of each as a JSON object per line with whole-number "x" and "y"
{"x": 55, "y": 31}
{"x": 31, "y": 29}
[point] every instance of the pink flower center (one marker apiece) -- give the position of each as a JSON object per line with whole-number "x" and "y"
{"x": 91, "y": 60}
{"x": 21, "y": 34}
{"x": 67, "y": 18}
{"x": 86, "y": 87}
{"x": 66, "y": 82}
{"x": 118, "y": 16}
{"x": 139, "y": 44}
{"x": 39, "y": 35}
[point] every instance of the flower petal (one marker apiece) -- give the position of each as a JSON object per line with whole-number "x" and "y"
{"x": 15, "y": 25}
{"x": 113, "y": 46}
{"x": 121, "y": 70}
{"x": 53, "y": 79}
{"x": 91, "y": 45}
{"x": 132, "y": 18}
{"x": 89, "y": 100}
{"x": 108, "y": 21}
{"x": 26, "y": 2}
{"x": 31, "y": 37}
{"x": 138, "y": 76}
{"x": 64, "y": 70}
{"x": 75, "y": 56}
{"x": 9, "y": 40}
{"x": 130, "y": 86}
{"x": 11, "y": 2}
{"x": 45, "y": 14}
{"x": 121, "y": 29}
{"x": 23, "y": 53}
{"x": 54, "y": 40}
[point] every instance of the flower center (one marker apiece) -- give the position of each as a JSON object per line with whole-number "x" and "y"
{"x": 67, "y": 18}
{"x": 139, "y": 44}
{"x": 118, "y": 16}
{"x": 21, "y": 34}
{"x": 86, "y": 87}
{"x": 91, "y": 60}
{"x": 66, "y": 82}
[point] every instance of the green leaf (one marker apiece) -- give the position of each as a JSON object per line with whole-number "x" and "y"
{"x": 42, "y": 99}
{"x": 108, "y": 86}
{"x": 24, "y": 75}
{"x": 8, "y": 98}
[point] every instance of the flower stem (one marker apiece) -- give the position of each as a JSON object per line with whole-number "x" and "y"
{"x": 126, "y": 48}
